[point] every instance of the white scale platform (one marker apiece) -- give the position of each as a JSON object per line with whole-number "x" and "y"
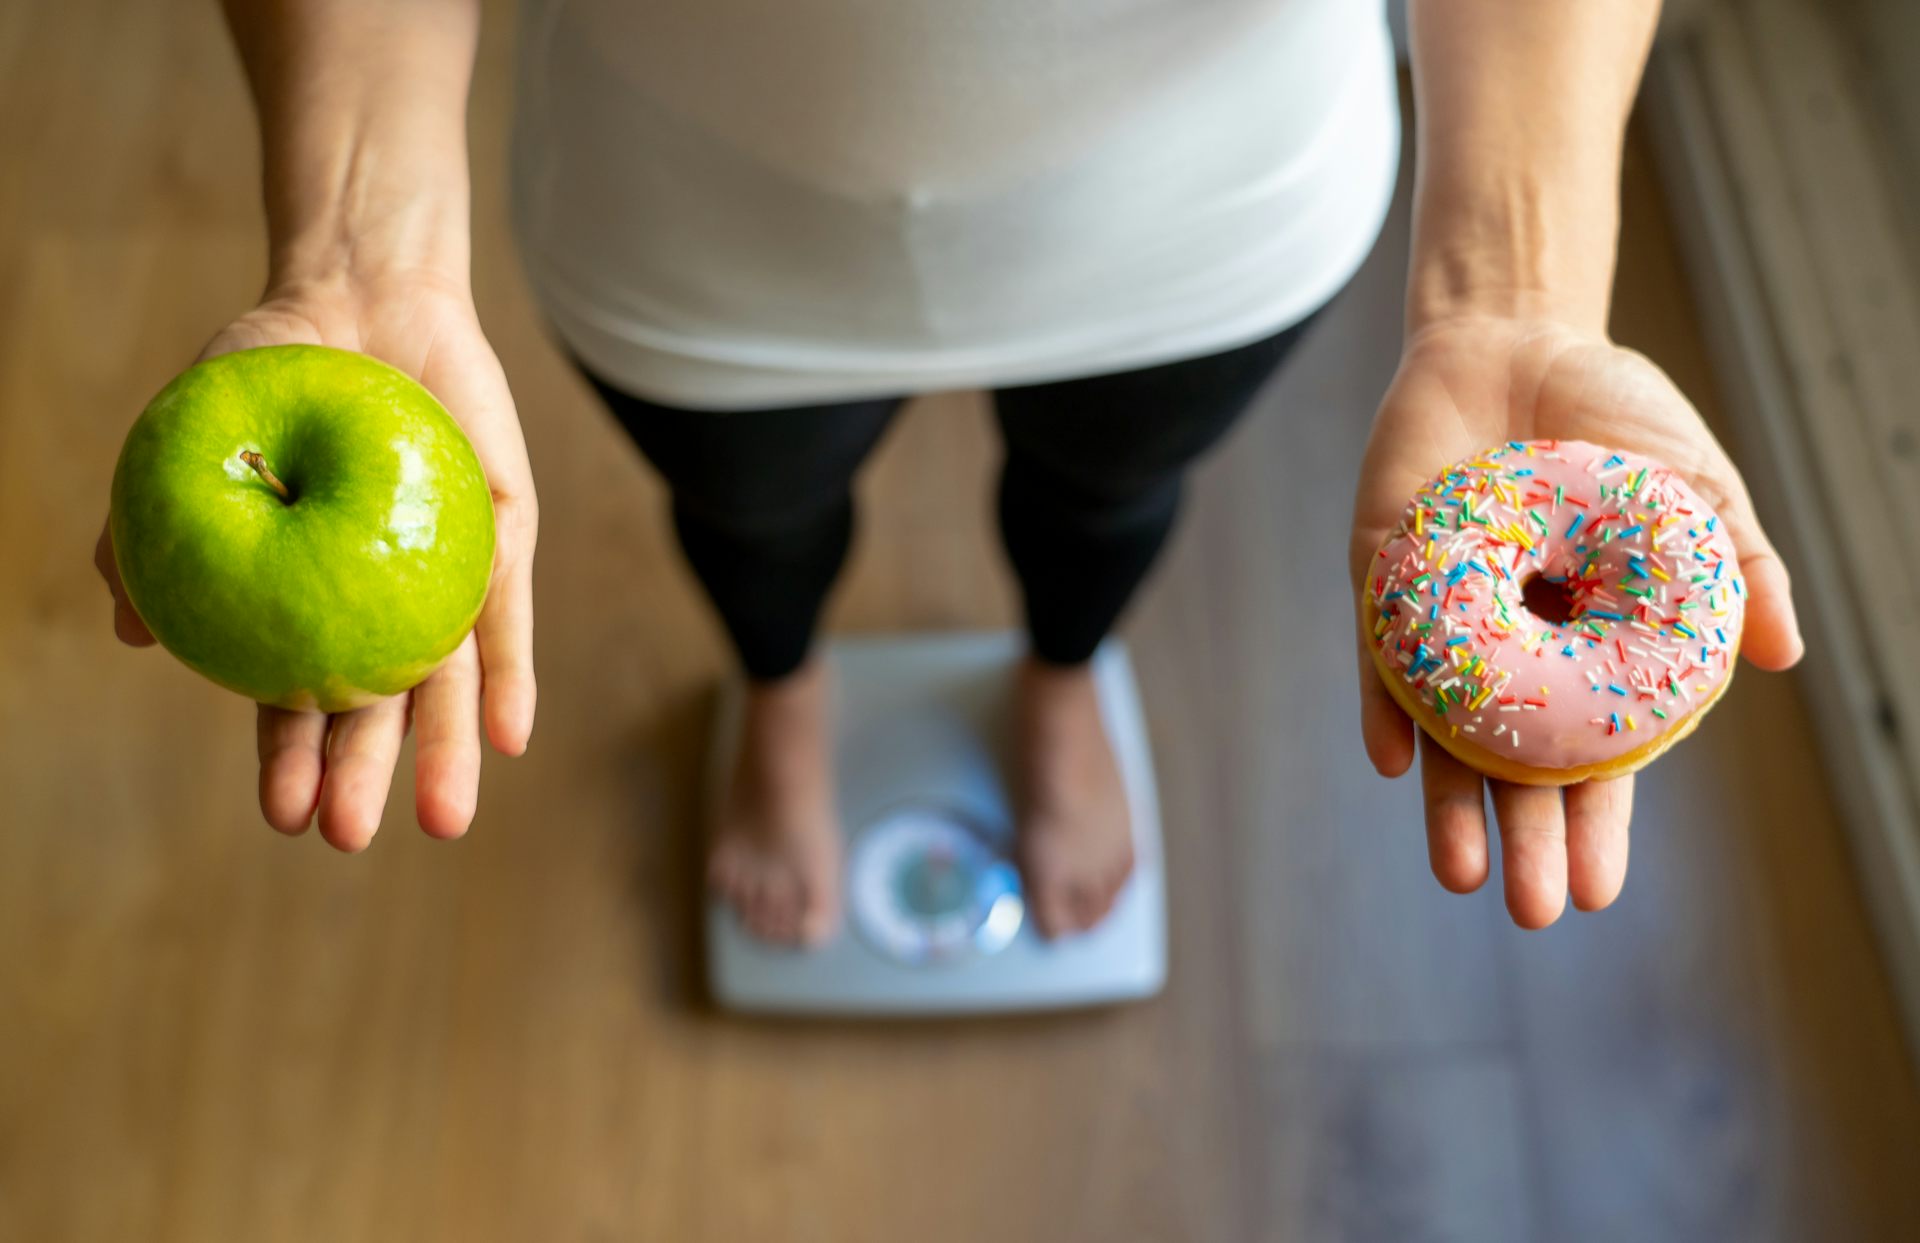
{"x": 935, "y": 920}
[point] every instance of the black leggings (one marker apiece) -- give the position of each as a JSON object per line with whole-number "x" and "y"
{"x": 763, "y": 501}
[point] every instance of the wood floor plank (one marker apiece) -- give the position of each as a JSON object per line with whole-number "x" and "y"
{"x": 1375, "y": 1148}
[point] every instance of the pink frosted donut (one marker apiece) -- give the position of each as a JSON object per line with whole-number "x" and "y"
{"x": 1553, "y": 611}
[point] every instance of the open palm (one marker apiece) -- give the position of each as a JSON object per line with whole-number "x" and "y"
{"x": 1464, "y": 385}
{"x": 342, "y": 766}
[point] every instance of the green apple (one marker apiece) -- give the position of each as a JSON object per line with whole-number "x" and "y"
{"x": 306, "y": 526}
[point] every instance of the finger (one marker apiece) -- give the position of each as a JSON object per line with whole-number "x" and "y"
{"x": 1598, "y": 813}
{"x": 292, "y": 762}
{"x": 1384, "y": 728}
{"x": 127, "y": 626}
{"x": 447, "y": 759}
{"x": 1771, "y": 637}
{"x": 1533, "y": 851}
{"x": 1456, "y": 818}
{"x": 506, "y": 631}
{"x": 362, "y": 748}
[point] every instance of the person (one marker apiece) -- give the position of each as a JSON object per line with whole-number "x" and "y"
{"x": 759, "y": 224}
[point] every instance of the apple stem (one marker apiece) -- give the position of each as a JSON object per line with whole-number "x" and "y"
{"x": 265, "y": 472}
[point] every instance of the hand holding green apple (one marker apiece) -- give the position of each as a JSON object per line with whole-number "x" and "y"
{"x": 329, "y": 602}
{"x": 304, "y": 525}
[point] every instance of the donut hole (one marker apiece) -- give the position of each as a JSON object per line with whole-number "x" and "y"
{"x": 1551, "y": 602}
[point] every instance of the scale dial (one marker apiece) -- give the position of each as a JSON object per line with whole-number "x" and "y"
{"x": 928, "y": 887}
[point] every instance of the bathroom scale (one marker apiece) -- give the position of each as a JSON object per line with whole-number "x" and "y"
{"x": 935, "y": 921}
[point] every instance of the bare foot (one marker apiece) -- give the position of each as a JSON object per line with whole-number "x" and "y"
{"x": 775, "y": 856}
{"x": 1076, "y": 844}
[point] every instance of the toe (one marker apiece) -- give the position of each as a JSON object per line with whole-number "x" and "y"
{"x": 765, "y": 925}
{"x": 789, "y": 924}
{"x": 1037, "y": 893}
{"x": 781, "y": 904}
{"x": 816, "y": 924}
{"x": 754, "y": 905}
{"x": 818, "y": 914}
{"x": 1052, "y": 912}
{"x": 773, "y": 908}
{"x": 1091, "y": 902}
{"x": 1079, "y": 904}
{"x": 762, "y": 926}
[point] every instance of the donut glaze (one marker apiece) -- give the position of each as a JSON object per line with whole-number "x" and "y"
{"x": 1644, "y": 625}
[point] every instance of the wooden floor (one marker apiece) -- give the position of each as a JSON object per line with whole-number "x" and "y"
{"x": 211, "y": 1034}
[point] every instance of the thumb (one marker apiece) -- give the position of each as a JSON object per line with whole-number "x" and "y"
{"x": 1771, "y": 637}
{"x": 1386, "y": 731}
{"x": 126, "y": 623}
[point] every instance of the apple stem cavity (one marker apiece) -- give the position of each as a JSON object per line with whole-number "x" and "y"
{"x": 265, "y": 472}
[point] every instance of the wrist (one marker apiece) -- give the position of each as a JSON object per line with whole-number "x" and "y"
{"x": 1457, "y": 296}
{"x": 428, "y": 247}
{"x": 426, "y": 241}
{"x": 340, "y": 296}
{"x": 1517, "y": 250}
{"x": 363, "y": 213}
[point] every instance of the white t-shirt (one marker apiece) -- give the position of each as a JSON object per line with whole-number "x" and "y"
{"x": 726, "y": 204}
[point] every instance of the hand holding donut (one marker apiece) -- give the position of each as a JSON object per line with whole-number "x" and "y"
{"x": 1471, "y": 384}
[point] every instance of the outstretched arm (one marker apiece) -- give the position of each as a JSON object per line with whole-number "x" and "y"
{"x": 1522, "y": 112}
{"x": 362, "y": 107}
{"x": 363, "y": 132}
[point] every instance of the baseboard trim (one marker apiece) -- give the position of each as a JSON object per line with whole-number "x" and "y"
{"x": 1765, "y": 282}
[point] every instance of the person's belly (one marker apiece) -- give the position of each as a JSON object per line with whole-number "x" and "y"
{"x": 895, "y": 97}
{"x": 937, "y": 185}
